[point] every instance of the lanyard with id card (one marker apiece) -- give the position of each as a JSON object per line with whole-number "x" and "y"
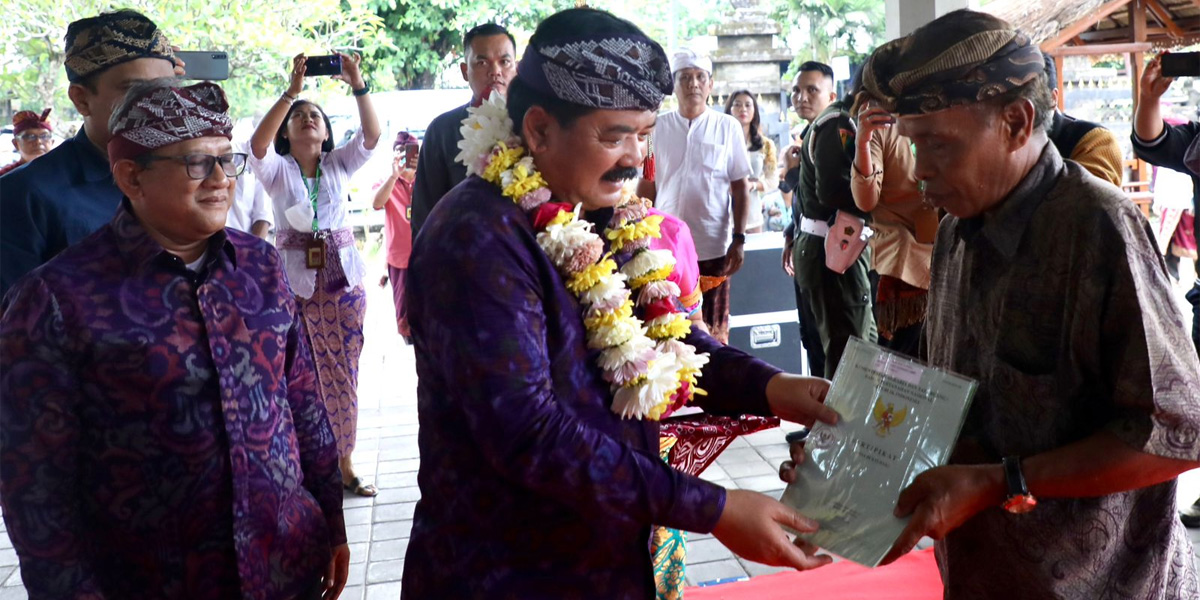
{"x": 314, "y": 251}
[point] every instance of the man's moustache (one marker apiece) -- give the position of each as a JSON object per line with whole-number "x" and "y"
{"x": 620, "y": 174}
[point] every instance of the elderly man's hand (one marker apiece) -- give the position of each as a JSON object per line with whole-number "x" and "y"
{"x": 734, "y": 257}
{"x": 800, "y": 399}
{"x": 787, "y": 469}
{"x": 941, "y": 499}
{"x": 337, "y": 573}
{"x": 752, "y": 526}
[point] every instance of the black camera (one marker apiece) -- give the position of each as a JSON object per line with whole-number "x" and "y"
{"x": 330, "y": 64}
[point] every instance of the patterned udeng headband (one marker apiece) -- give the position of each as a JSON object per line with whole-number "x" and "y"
{"x": 983, "y": 66}
{"x": 99, "y": 43}
{"x": 615, "y": 72}
{"x": 168, "y": 115}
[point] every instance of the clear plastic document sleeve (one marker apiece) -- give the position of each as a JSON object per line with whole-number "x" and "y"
{"x": 897, "y": 418}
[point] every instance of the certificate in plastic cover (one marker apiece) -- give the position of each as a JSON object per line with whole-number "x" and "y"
{"x": 897, "y": 418}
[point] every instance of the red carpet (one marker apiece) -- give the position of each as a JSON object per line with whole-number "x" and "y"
{"x": 913, "y": 577}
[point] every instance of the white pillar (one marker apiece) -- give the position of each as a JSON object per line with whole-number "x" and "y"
{"x": 903, "y": 16}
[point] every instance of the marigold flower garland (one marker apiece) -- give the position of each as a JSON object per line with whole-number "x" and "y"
{"x": 651, "y": 370}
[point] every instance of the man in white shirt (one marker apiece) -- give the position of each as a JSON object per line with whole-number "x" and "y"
{"x": 701, "y": 177}
{"x": 250, "y": 210}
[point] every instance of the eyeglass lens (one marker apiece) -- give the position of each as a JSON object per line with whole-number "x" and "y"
{"x": 200, "y": 166}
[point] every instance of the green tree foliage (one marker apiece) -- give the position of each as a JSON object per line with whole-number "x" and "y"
{"x": 259, "y": 39}
{"x": 426, "y": 35}
{"x": 833, "y": 27}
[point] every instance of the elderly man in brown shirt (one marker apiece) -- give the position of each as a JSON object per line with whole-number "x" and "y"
{"x": 1047, "y": 288}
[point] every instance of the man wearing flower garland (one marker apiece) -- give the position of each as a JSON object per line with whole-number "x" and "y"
{"x": 549, "y": 342}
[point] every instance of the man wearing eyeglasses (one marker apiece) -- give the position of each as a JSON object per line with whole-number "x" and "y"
{"x": 32, "y": 137}
{"x": 162, "y": 435}
{"x": 69, "y": 193}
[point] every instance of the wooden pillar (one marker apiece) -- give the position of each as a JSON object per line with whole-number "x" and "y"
{"x": 1137, "y": 23}
{"x": 1058, "y": 71}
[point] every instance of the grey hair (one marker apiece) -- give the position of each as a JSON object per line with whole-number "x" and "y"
{"x": 1037, "y": 92}
{"x": 138, "y": 89}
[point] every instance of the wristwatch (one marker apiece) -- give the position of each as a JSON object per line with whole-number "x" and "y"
{"x": 1019, "y": 501}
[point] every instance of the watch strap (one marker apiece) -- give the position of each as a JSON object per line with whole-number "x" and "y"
{"x": 1014, "y": 478}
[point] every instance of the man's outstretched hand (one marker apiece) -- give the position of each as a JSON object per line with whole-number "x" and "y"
{"x": 752, "y": 527}
{"x": 800, "y": 399}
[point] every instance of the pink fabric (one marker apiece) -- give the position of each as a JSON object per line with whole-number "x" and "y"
{"x": 914, "y": 576}
{"x": 397, "y": 224}
{"x": 677, "y": 238}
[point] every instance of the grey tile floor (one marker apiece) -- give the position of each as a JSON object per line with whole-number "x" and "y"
{"x": 386, "y": 453}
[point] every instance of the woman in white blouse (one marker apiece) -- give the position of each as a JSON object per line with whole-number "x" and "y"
{"x": 307, "y": 178}
{"x": 764, "y": 172}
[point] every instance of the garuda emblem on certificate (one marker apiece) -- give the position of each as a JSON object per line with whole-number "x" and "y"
{"x": 887, "y": 417}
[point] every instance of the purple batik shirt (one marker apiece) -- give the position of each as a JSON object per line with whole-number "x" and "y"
{"x": 530, "y": 486}
{"x": 161, "y": 433}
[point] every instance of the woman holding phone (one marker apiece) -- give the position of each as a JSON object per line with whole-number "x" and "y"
{"x": 293, "y": 156}
{"x": 884, "y": 183}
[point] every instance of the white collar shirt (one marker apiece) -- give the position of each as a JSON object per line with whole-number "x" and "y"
{"x": 280, "y": 176}
{"x": 694, "y": 165}
{"x": 250, "y": 202}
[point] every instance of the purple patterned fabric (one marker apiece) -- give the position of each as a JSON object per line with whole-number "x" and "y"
{"x": 162, "y": 436}
{"x": 169, "y": 115}
{"x": 530, "y": 486}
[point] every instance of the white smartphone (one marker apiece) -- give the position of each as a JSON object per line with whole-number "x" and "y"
{"x": 208, "y": 65}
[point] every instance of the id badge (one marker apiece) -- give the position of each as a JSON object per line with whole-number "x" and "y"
{"x": 314, "y": 254}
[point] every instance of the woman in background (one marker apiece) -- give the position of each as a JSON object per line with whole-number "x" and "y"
{"x": 307, "y": 178}
{"x": 764, "y": 172}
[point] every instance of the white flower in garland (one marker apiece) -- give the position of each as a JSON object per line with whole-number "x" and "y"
{"x": 560, "y": 241}
{"x": 614, "y": 334}
{"x": 487, "y": 124}
{"x": 657, "y": 290}
{"x": 647, "y": 262}
{"x": 662, "y": 380}
{"x": 625, "y": 363}
{"x": 611, "y": 291}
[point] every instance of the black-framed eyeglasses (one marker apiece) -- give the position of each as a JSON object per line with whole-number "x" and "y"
{"x": 200, "y": 166}
{"x": 41, "y": 137}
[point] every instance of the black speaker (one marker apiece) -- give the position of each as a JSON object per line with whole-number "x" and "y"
{"x": 762, "y": 306}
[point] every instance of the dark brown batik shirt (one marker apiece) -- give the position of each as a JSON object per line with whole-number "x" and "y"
{"x": 1059, "y": 304}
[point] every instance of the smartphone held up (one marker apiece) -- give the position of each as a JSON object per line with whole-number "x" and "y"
{"x": 329, "y": 64}
{"x": 1180, "y": 64}
{"x": 206, "y": 65}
